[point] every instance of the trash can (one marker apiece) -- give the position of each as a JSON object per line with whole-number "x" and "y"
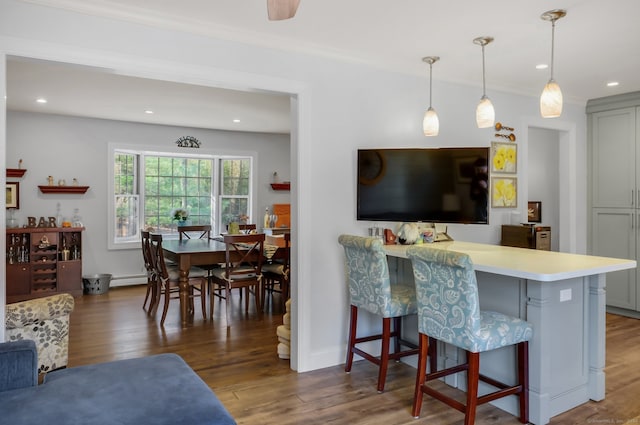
{"x": 96, "y": 284}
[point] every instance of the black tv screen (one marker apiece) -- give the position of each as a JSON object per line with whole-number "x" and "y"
{"x": 445, "y": 185}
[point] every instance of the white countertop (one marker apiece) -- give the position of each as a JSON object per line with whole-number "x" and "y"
{"x": 544, "y": 266}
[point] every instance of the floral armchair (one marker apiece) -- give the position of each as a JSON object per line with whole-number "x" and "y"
{"x": 45, "y": 321}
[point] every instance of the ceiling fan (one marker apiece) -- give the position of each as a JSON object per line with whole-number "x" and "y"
{"x": 279, "y": 10}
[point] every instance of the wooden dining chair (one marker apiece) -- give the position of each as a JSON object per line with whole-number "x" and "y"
{"x": 151, "y": 295}
{"x": 246, "y": 228}
{"x": 449, "y": 311}
{"x": 243, "y": 269}
{"x": 201, "y": 231}
{"x": 168, "y": 280}
{"x": 276, "y": 272}
{"x": 370, "y": 289}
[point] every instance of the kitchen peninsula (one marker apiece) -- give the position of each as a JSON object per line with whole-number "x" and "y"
{"x": 562, "y": 295}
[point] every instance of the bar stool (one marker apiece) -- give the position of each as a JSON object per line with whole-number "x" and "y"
{"x": 449, "y": 311}
{"x": 370, "y": 289}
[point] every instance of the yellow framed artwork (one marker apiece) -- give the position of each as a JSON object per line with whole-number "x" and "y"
{"x": 504, "y": 157}
{"x": 504, "y": 192}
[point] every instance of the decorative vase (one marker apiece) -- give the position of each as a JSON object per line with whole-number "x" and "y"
{"x": 184, "y": 223}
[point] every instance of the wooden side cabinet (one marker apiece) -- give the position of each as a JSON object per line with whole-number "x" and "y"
{"x": 43, "y": 261}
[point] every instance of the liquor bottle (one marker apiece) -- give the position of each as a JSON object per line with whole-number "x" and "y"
{"x": 266, "y": 218}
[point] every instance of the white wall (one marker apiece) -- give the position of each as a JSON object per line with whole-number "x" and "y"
{"x": 73, "y": 147}
{"x": 338, "y": 108}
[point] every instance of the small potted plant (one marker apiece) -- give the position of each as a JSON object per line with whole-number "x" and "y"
{"x": 181, "y": 216}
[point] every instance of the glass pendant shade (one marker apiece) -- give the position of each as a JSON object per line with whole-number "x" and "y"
{"x": 431, "y": 124}
{"x": 551, "y": 97}
{"x": 485, "y": 114}
{"x": 551, "y": 100}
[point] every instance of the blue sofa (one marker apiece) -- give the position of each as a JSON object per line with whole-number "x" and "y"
{"x": 160, "y": 389}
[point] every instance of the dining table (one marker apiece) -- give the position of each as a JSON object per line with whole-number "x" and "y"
{"x": 199, "y": 252}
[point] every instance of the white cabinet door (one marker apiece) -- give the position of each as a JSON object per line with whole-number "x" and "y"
{"x": 614, "y": 233}
{"x": 613, "y": 136}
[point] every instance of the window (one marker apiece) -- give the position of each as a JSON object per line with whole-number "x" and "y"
{"x": 147, "y": 186}
{"x": 174, "y": 182}
{"x": 234, "y": 193}
{"x": 125, "y": 197}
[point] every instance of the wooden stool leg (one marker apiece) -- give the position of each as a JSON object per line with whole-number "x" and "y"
{"x": 384, "y": 353}
{"x": 353, "y": 324}
{"x": 433, "y": 355}
{"x": 473, "y": 376}
{"x": 421, "y": 374}
{"x": 397, "y": 327}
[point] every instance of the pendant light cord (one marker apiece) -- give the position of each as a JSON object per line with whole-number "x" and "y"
{"x": 430, "y": 83}
{"x": 553, "y": 33}
{"x": 484, "y": 89}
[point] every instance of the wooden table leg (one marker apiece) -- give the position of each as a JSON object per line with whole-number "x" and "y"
{"x": 186, "y": 314}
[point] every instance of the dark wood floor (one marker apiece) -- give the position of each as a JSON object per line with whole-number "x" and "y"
{"x": 242, "y": 367}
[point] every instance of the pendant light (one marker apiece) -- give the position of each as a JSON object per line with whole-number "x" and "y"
{"x": 551, "y": 98}
{"x": 430, "y": 124}
{"x": 485, "y": 114}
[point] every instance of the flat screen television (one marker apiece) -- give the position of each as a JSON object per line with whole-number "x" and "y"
{"x": 444, "y": 185}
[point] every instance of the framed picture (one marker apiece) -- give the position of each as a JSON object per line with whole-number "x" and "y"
{"x": 534, "y": 211}
{"x": 504, "y": 157}
{"x": 13, "y": 195}
{"x": 504, "y": 192}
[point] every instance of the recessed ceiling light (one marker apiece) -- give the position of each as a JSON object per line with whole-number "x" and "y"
{"x": 41, "y": 100}
{"x": 542, "y": 66}
{"x": 236, "y": 120}
{"x": 612, "y": 83}
{"x": 148, "y": 111}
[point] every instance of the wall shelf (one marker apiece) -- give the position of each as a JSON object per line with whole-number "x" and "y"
{"x": 16, "y": 172}
{"x": 281, "y": 186}
{"x": 63, "y": 189}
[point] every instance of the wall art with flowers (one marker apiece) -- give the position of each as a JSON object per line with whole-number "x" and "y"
{"x": 504, "y": 192}
{"x": 504, "y": 158}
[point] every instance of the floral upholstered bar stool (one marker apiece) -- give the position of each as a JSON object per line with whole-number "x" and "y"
{"x": 370, "y": 289}
{"x": 449, "y": 311}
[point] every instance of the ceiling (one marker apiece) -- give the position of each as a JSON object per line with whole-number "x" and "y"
{"x": 596, "y": 43}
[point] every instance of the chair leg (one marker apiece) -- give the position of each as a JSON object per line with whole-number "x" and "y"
{"x": 156, "y": 293}
{"x": 210, "y": 294}
{"x": 421, "y": 374}
{"x": 167, "y": 295}
{"x": 523, "y": 379}
{"x": 227, "y": 300}
{"x": 246, "y": 300}
{"x": 473, "y": 376}
{"x": 397, "y": 327}
{"x": 263, "y": 291}
{"x": 433, "y": 355}
{"x": 146, "y": 297}
{"x": 384, "y": 353}
{"x": 203, "y": 298}
{"x": 284, "y": 286}
{"x": 257, "y": 297}
{"x": 353, "y": 324}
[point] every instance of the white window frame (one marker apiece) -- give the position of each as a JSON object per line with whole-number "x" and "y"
{"x": 143, "y": 150}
